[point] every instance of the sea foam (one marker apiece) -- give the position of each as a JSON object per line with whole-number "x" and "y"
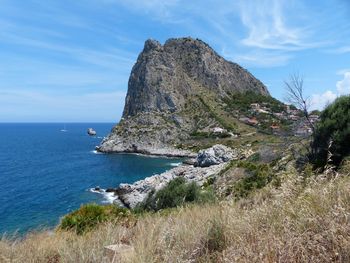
{"x": 109, "y": 197}
{"x": 96, "y": 152}
{"x": 175, "y": 164}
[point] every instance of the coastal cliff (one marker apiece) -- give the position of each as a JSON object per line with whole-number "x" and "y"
{"x": 174, "y": 91}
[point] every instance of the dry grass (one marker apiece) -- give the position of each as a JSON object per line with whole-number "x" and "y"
{"x": 300, "y": 222}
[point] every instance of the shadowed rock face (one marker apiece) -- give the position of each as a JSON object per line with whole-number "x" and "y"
{"x": 168, "y": 85}
{"x": 164, "y": 76}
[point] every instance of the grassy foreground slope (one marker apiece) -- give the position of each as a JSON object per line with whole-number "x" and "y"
{"x": 306, "y": 219}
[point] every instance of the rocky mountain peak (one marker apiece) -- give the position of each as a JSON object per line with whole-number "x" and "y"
{"x": 164, "y": 75}
{"x": 151, "y": 44}
{"x": 188, "y": 43}
{"x": 169, "y": 92}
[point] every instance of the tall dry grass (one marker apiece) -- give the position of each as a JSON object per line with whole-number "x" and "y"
{"x": 299, "y": 222}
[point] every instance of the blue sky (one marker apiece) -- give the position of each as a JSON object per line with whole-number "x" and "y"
{"x": 68, "y": 61}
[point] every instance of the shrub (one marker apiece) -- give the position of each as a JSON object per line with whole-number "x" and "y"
{"x": 334, "y": 126}
{"x": 210, "y": 181}
{"x": 259, "y": 176}
{"x": 89, "y": 216}
{"x": 254, "y": 157}
{"x": 175, "y": 193}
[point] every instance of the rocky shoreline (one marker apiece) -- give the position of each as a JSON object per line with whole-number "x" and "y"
{"x": 208, "y": 163}
{"x": 111, "y": 146}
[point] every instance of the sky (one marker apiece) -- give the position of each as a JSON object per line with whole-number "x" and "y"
{"x": 69, "y": 61}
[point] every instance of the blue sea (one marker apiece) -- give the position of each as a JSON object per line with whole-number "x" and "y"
{"x": 46, "y": 173}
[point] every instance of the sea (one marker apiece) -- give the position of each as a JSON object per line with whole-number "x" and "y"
{"x": 48, "y": 170}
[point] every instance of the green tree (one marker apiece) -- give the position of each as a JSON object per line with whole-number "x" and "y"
{"x": 332, "y": 134}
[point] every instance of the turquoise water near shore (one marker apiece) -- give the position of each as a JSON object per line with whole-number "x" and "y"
{"x": 46, "y": 173}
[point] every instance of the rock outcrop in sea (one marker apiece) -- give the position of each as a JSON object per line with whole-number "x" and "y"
{"x": 171, "y": 91}
{"x": 91, "y": 132}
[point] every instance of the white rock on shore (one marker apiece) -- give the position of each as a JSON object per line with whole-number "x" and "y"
{"x": 215, "y": 155}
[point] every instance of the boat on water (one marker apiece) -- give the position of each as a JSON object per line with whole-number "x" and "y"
{"x": 64, "y": 128}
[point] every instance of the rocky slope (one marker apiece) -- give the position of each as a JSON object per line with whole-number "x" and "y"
{"x": 208, "y": 163}
{"x": 174, "y": 91}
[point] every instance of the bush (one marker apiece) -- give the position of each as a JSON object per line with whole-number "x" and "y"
{"x": 334, "y": 125}
{"x": 176, "y": 193}
{"x": 259, "y": 176}
{"x": 210, "y": 181}
{"x": 89, "y": 216}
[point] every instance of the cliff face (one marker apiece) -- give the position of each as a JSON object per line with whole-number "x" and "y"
{"x": 168, "y": 91}
{"x": 164, "y": 76}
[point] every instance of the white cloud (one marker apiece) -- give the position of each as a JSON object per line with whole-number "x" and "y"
{"x": 266, "y": 26}
{"x": 343, "y": 86}
{"x": 266, "y": 22}
{"x": 319, "y": 101}
{"x": 274, "y": 29}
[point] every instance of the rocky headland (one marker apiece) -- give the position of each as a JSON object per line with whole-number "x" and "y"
{"x": 174, "y": 91}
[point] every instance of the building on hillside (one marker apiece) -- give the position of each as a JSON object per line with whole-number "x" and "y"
{"x": 293, "y": 117}
{"x": 263, "y": 111}
{"x": 253, "y": 121}
{"x": 279, "y": 114}
{"x": 275, "y": 127}
{"x": 218, "y": 130}
{"x": 303, "y": 131}
{"x": 250, "y": 121}
{"x": 314, "y": 118}
{"x": 244, "y": 119}
{"x": 255, "y": 106}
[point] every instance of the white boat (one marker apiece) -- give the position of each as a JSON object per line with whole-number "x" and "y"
{"x": 64, "y": 128}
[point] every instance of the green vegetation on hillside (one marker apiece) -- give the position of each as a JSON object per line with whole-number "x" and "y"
{"x": 214, "y": 114}
{"x": 259, "y": 175}
{"x": 89, "y": 216}
{"x": 242, "y": 100}
{"x": 240, "y": 105}
{"x": 176, "y": 193}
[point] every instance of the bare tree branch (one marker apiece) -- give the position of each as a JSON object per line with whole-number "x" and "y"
{"x": 295, "y": 96}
